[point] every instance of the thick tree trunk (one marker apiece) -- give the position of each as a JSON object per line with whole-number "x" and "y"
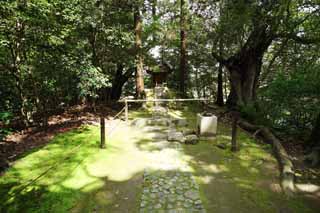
{"x": 245, "y": 67}
{"x": 244, "y": 81}
{"x": 183, "y": 49}
{"x": 139, "y": 58}
{"x": 118, "y": 82}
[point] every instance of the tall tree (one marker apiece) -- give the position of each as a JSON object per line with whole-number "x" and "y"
{"x": 183, "y": 48}
{"x": 266, "y": 22}
{"x": 220, "y": 101}
{"x": 139, "y": 57}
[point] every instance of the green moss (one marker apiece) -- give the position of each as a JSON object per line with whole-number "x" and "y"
{"x": 76, "y": 174}
{"x": 241, "y": 181}
{"x": 84, "y": 178}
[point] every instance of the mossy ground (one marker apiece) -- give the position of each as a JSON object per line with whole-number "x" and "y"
{"x": 245, "y": 181}
{"x": 85, "y": 178}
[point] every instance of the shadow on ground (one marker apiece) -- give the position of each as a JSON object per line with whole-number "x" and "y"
{"x": 72, "y": 174}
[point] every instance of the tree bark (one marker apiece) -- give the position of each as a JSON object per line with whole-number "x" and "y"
{"x": 220, "y": 101}
{"x": 118, "y": 82}
{"x": 245, "y": 67}
{"x": 183, "y": 49}
{"x": 139, "y": 58}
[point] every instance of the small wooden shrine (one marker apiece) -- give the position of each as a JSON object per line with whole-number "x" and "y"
{"x": 159, "y": 74}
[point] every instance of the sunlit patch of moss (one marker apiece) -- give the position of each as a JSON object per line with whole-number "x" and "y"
{"x": 70, "y": 168}
{"x": 238, "y": 175}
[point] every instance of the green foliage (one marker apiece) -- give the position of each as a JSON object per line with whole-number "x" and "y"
{"x": 5, "y": 118}
{"x": 91, "y": 80}
{"x": 291, "y": 102}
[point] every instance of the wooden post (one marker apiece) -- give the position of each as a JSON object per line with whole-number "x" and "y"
{"x": 126, "y": 110}
{"x": 234, "y": 145}
{"x": 102, "y": 133}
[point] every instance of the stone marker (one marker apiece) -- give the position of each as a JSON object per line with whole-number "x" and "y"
{"x": 207, "y": 125}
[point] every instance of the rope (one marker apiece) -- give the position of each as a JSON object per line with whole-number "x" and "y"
{"x": 28, "y": 183}
{"x": 117, "y": 124}
{"x": 119, "y": 112}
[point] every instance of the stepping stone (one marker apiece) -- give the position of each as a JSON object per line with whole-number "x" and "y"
{"x": 191, "y": 139}
{"x": 180, "y": 122}
{"x": 176, "y": 136}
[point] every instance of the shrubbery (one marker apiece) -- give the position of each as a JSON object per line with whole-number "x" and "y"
{"x": 291, "y": 102}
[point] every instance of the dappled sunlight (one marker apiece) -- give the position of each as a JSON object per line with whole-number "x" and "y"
{"x": 206, "y": 179}
{"x": 238, "y": 175}
{"x": 82, "y": 171}
{"x": 176, "y": 114}
{"x": 85, "y": 168}
{"x": 308, "y": 188}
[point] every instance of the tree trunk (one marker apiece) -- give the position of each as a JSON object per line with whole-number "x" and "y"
{"x": 245, "y": 67}
{"x": 244, "y": 81}
{"x": 139, "y": 58}
{"x": 183, "y": 49}
{"x": 220, "y": 101}
{"x": 118, "y": 82}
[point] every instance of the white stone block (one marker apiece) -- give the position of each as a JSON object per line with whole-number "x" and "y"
{"x": 207, "y": 125}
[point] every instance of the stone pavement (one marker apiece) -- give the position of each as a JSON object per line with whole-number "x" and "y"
{"x": 169, "y": 186}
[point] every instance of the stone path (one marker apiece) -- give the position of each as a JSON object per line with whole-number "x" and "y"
{"x": 168, "y": 184}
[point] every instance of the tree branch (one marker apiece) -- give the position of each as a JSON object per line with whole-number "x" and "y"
{"x": 299, "y": 39}
{"x": 218, "y": 57}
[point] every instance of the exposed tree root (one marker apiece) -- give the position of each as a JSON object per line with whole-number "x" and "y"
{"x": 286, "y": 166}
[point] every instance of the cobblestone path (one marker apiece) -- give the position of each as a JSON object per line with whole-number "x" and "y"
{"x": 169, "y": 185}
